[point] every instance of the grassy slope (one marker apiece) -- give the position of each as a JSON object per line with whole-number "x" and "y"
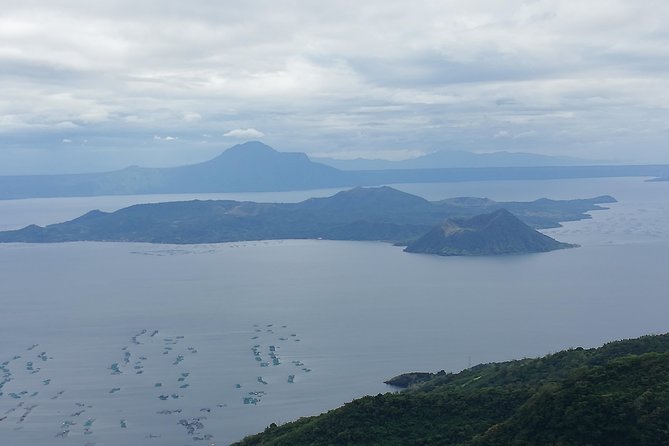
{"x": 614, "y": 395}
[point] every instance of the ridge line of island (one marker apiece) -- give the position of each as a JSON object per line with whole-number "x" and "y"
{"x": 455, "y": 226}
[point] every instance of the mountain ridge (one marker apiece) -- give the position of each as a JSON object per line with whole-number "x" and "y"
{"x": 380, "y": 213}
{"x": 458, "y": 158}
{"x": 256, "y": 167}
{"x": 248, "y": 167}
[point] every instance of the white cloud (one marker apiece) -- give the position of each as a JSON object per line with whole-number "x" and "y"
{"x": 250, "y": 133}
{"x": 343, "y": 76}
{"x": 165, "y": 138}
{"x": 191, "y": 117}
{"x": 519, "y": 135}
{"x": 526, "y": 134}
{"x": 66, "y": 141}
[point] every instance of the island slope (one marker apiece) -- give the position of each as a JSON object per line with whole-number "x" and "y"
{"x": 382, "y": 213}
{"x": 499, "y": 232}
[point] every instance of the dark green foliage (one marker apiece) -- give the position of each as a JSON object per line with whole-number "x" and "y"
{"x": 409, "y": 379}
{"x": 625, "y": 402}
{"x": 447, "y": 417}
{"x": 615, "y": 395}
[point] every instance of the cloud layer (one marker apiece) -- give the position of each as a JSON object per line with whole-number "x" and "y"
{"x": 563, "y": 77}
{"x": 244, "y": 134}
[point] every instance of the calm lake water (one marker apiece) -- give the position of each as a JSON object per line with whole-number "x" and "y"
{"x": 259, "y": 332}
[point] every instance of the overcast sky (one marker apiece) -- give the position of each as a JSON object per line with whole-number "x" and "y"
{"x": 96, "y": 85}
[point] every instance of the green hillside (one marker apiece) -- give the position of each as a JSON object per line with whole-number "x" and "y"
{"x": 617, "y": 394}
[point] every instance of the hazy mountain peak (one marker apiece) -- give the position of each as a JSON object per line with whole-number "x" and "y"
{"x": 376, "y": 196}
{"x": 380, "y": 191}
{"x": 251, "y": 145}
{"x": 256, "y": 152}
{"x": 250, "y": 149}
{"x": 254, "y": 166}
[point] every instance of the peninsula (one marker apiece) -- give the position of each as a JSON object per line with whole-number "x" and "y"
{"x": 613, "y": 395}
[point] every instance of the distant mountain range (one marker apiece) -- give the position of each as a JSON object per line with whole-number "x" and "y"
{"x": 499, "y": 232}
{"x": 256, "y": 167}
{"x": 248, "y": 167}
{"x": 381, "y": 213}
{"x": 456, "y": 158}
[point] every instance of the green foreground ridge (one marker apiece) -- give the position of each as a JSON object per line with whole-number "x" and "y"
{"x": 617, "y": 394}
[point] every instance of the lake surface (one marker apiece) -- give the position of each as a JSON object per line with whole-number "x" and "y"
{"x": 338, "y": 317}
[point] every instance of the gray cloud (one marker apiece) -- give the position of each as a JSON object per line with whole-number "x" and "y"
{"x": 244, "y": 133}
{"x": 558, "y": 76}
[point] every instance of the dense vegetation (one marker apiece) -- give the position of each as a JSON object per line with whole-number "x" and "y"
{"x": 614, "y": 395}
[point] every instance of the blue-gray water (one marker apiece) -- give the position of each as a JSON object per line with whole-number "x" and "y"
{"x": 359, "y": 313}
